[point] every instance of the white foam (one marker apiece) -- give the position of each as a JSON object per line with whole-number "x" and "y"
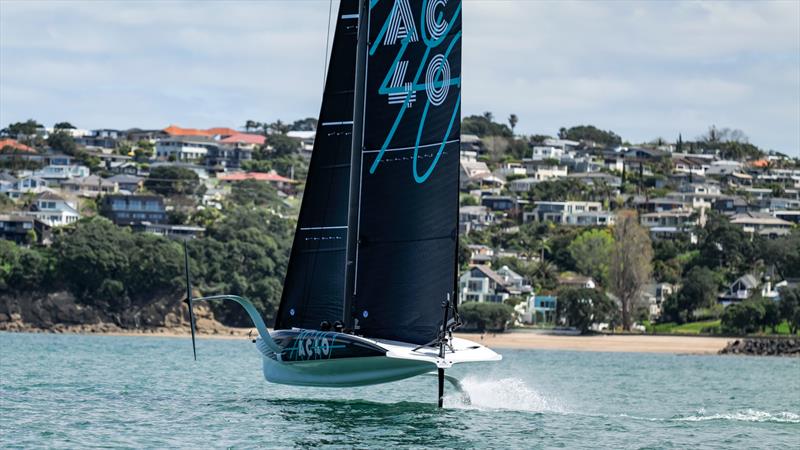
{"x": 748, "y": 415}
{"x": 501, "y": 394}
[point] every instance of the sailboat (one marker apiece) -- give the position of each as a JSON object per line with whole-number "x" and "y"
{"x": 370, "y": 294}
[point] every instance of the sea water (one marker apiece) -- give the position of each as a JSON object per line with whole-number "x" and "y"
{"x": 74, "y": 391}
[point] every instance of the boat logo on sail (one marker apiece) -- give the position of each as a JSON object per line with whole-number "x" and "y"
{"x": 432, "y": 75}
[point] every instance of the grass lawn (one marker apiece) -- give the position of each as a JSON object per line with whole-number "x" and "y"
{"x": 686, "y": 328}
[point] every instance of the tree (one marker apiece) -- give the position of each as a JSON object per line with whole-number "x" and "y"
{"x": 484, "y": 126}
{"x": 307, "y": 124}
{"x": 789, "y": 308}
{"x": 486, "y": 316}
{"x": 742, "y": 318}
{"x": 63, "y": 142}
{"x": 512, "y": 122}
{"x": 250, "y": 125}
{"x": 63, "y": 126}
{"x": 591, "y": 133}
{"x": 699, "y": 290}
{"x": 592, "y": 251}
{"x": 172, "y": 180}
{"x": 23, "y": 129}
{"x": 583, "y": 307}
{"x": 283, "y": 145}
{"x": 679, "y": 144}
{"x": 631, "y": 263}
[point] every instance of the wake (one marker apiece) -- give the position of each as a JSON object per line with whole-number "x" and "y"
{"x": 747, "y": 415}
{"x": 500, "y": 394}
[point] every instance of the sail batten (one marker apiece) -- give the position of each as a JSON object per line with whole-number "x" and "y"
{"x": 313, "y": 289}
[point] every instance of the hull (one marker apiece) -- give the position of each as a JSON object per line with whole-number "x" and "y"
{"x": 329, "y": 359}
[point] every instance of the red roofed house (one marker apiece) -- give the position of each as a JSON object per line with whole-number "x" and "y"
{"x": 174, "y": 130}
{"x": 15, "y": 145}
{"x": 282, "y": 183}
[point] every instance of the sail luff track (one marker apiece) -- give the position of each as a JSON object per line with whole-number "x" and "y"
{"x": 313, "y": 290}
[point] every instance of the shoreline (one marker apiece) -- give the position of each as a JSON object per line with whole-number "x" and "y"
{"x": 620, "y": 343}
{"x": 617, "y": 343}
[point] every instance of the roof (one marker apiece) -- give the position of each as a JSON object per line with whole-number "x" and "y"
{"x": 15, "y": 145}
{"x": 759, "y": 219}
{"x": 748, "y": 280}
{"x": 49, "y": 196}
{"x": 258, "y": 176}
{"x": 574, "y": 279}
{"x": 490, "y": 274}
{"x": 175, "y": 130}
{"x": 125, "y": 178}
{"x": 760, "y": 163}
{"x": 243, "y": 138}
{"x": 91, "y": 180}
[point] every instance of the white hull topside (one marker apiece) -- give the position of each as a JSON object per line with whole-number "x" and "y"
{"x": 401, "y": 360}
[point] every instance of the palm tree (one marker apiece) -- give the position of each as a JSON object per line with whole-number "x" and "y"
{"x": 541, "y": 245}
{"x": 512, "y": 120}
{"x": 250, "y": 125}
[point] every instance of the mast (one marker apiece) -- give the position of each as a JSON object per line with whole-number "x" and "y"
{"x": 355, "y": 162}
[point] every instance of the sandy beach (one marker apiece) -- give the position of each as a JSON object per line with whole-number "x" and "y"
{"x": 604, "y": 343}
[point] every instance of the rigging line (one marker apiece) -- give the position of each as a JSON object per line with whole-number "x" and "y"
{"x": 327, "y": 43}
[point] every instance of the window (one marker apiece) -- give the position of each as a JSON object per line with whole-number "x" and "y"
{"x": 118, "y": 205}
{"x": 475, "y": 285}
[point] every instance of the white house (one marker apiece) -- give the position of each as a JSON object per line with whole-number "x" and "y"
{"x": 547, "y": 152}
{"x": 54, "y": 210}
{"x": 30, "y": 184}
{"x": 482, "y": 284}
{"x": 55, "y": 174}
{"x": 185, "y": 148}
{"x": 544, "y": 172}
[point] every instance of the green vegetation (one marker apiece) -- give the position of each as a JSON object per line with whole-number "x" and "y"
{"x": 172, "y": 180}
{"x": 486, "y": 316}
{"x": 583, "y": 307}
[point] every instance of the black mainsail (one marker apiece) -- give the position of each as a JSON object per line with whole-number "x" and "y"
{"x": 407, "y": 216}
{"x": 378, "y": 229}
{"x": 314, "y": 287}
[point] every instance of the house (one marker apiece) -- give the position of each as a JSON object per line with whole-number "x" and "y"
{"x": 228, "y": 156}
{"x": 90, "y": 186}
{"x": 547, "y": 152}
{"x": 471, "y": 171}
{"x": 543, "y": 308}
{"x": 654, "y": 295}
{"x": 543, "y": 170}
{"x": 474, "y": 218}
{"x": 167, "y": 230}
{"x": 471, "y": 142}
{"x": 660, "y": 204}
{"x": 17, "y": 227}
{"x": 522, "y": 184}
{"x": 724, "y": 167}
{"x": 54, "y": 210}
{"x": 561, "y": 212}
{"x": 26, "y": 185}
{"x": 103, "y": 138}
{"x": 644, "y": 154}
{"x": 133, "y": 209}
{"x": 752, "y": 222}
{"x": 597, "y": 179}
{"x": 281, "y": 183}
{"x": 514, "y": 282}
{"x": 688, "y": 164}
{"x": 576, "y": 281}
{"x": 741, "y": 289}
{"x": 55, "y": 174}
{"x": 499, "y": 202}
{"x": 480, "y": 254}
{"x": 482, "y": 284}
{"x": 668, "y": 224}
{"x": 127, "y": 183}
{"x": 730, "y": 205}
{"x": 185, "y": 148}
{"x": 306, "y": 139}
{"x": 510, "y": 169}
{"x": 124, "y": 167}
{"x": 221, "y": 132}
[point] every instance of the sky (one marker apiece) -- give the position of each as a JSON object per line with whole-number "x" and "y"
{"x": 644, "y": 69}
